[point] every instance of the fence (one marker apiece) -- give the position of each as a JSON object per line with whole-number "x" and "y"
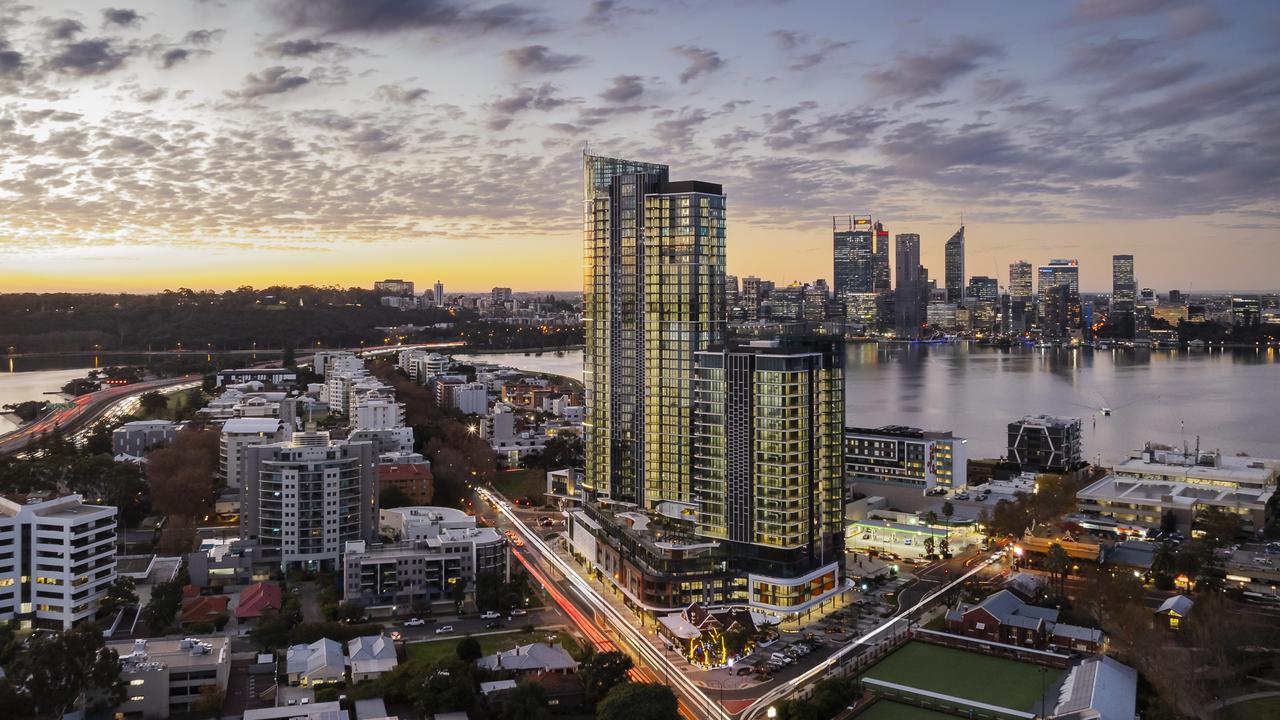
{"x": 941, "y": 702}
{"x": 987, "y": 647}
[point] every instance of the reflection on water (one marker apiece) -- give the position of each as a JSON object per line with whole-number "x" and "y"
{"x": 1226, "y": 397}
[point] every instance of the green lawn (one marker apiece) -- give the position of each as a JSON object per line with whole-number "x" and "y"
{"x": 435, "y": 651}
{"x": 520, "y": 483}
{"x": 1261, "y": 709}
{"x": 965, "y": 675}
{"x": 889, "y": 710}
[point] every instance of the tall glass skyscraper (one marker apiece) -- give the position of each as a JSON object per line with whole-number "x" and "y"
{"x": 954, "y": 269}
{"x": 854, "y": 250}
{"x": 653, "y": 294}
{"x": 1061, "y": 311}
{"x": 1020, "y": 281}
{"x": 1124, "y": 293}
{"x": 880, "y": 262}
{"x": 910, "y": 301}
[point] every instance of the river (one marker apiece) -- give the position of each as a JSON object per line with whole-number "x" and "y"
{"x": 16, "y": 387}
{"x": 1229, "y": 398}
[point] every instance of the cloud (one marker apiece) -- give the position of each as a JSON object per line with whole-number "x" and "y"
{"x": 1110, "y": 56}
{"x": 1149, "y": 80}
{"x": 303, "y": 47}
{"x": 274, "y": 80}
{"x": 1227, "y": 96}
{"x": 624, "y": 89}
{"x": 914, "y": 76}
{"x": 399, "y": 95}
{"x": 1187, "y": 18}
{"x": 797, "y": 46}
{"x": 388, "y": 16}
{"x": 786, "y": 129}
{"x": 540, "y": 59}
{"x": 701, "y": 61}
{"x": 678, "y": 129}
{"x": 11, "y": 63}
{"x": 204, "y": 38}
{"x": 173, "y": 56}
{"x": 88, "y": 57}
{"x": 62, "y": 28}
{"x": 601, "y": 13}
{"x": 542, "y": 98}
{"x": 992, "y": 89}
{"x": 122, "y": 17}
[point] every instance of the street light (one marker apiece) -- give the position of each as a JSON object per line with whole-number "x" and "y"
{"x": 771, "y": 713}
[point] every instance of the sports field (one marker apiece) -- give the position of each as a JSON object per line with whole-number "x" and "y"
{"x": 889, "y": 710}
{"x": 967, "y": 675}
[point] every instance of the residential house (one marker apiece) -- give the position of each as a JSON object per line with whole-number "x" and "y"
{"x": 1173, "y": 611}
{"x": 370, "y": 656}
{"x": 319, "y": 663}
{"x": 1004, "y": 618}
{"x": 257, "y": 599}
{"x": 546, "y": 657}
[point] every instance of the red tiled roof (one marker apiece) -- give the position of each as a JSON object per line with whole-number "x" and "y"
{"x": 190, "y": 591}
{"x": 203, "y": 609}
{"x": 257, "y": 599}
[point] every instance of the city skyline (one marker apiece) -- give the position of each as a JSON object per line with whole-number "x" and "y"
{"x": 330, "y": 146}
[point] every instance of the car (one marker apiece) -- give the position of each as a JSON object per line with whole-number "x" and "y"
{"x": 744, "y": 670}
{"x": 518, "y": 612}
{"x": 444, "y": 629}
{"x": 962, "y": 496}
{"x": 492, "y": 625}
{"x": 415, "y": 622}
{"x": 490, "y": 615}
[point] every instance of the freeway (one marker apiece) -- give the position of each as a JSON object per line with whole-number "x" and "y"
{"x": 694, "y": 703}
{"x": 85, "y": 410}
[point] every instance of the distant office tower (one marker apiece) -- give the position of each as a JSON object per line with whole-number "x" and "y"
{"x": 754, "y": 291}
{"x": 768, "y": 464}
{"x": 1124, "y": 288}
{"x": 853, "y": 242}
{"x": 1176, "y": 298}
{"x": 880, "y": 262}
{"x": 983, "y": 289}
{"x": 1064, "y": 273}
{"x": 653, "y": 295}
{"x": 306, "y": 497}
{"x": 1042, "y": 443}
{"x": 1020, "y": 278}
{"x": 954, "y": 270}
{"x": 1246, "y": 311}
{"x": 394, "y": 287}
{"x": 732, "y": 297}
{"x": 438, "y": 294}
{"x": 910, "y": 299}
{"x": 500, "y": 295}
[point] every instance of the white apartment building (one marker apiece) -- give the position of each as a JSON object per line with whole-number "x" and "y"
{"x": 421, "y": 364}
{"x": 57, "y": 557}
{"x": 470, "y": 398}
{"x": 327, "y": 361}
{"x": 167, "y": 676}
{"x": 377, "y": 413}
{"x": 305, "y": 497}
{"x": 238, "y": 434}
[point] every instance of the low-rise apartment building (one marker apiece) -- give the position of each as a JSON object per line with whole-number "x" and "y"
{"x": 905, "y": 456}
{"x": 137, "y": 437}
{"x": 164, "y": 677}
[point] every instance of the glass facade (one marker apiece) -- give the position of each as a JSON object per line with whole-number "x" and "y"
{"x": 654, "y": 293}
{"x": 954, "y": 267}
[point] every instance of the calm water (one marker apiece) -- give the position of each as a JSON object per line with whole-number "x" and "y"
{"x": 16, "y": 387}
{"x": 1229, "y": 398}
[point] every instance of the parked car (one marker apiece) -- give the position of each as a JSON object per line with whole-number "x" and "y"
{"x": 519, "y": 612}
{"x": 415, "y": 622}
{"x": 444, "y": 629}
{"x": 744, "y": 670}
{"x": 490, "y": 615}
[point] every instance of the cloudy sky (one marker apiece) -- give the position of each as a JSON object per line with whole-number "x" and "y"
{"x": 214, "y": 143}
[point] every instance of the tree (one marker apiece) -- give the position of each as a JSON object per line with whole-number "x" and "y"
{"x": 393, "y": 497}
{"x": 56, "y": 669}
{"x": 638, "y": 701}
{"x": 944, "y": 547}
{"x": 289, "y": 357}
{"x": 350, "y": 612}
{"x": 180, "y": 476}
{"x": 160, "y": 611}
{"x": 928, "y": 546}
{"x": 602, "y": 671}
{"x": 1058, "y": 563}
{"x": 527, "y": 701}
{"x": 120, "y": 594}
{"x": 1163, "y": 560}
{"x": 153, "y": 403}
{"x": 98, "y": 441}
{"x": 948, "y": 510}
{"x": 468, "y": 649}
{"x": 1169, "y": 521}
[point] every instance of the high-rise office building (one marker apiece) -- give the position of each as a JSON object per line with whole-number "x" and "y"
{"x": 394, "y": 287}
{"x": 1060, "y": 273}
{"x": 954, "y": 267}
{"x": 754, "y": 291}
{"x": 1124, "y": 288}
{"x": 1020, "y": 281}
{"x": 1246, "y": 311}
{"x": 853, "y": 244}
{"x": 910, "y": 298}
{"x": 438, "y": 294}
{"x": 500, "y": 295}
{"x": 768, "y": 465}
{"x": 305, "y": 497}
{"x": 880, "y": 261}
{"x": 653, "y": 295}
{"x": 983, "y": 289}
